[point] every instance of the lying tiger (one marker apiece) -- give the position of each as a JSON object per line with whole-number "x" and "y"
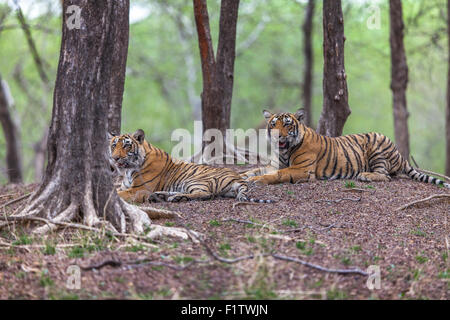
{"x": 305, "y": 155}
{"x": 150, "y": 173}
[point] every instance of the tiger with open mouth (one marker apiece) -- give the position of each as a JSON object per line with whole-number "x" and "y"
{"x": 305, "y": 155}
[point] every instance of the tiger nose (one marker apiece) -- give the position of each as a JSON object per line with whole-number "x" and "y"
{"x": 116, "y": 158}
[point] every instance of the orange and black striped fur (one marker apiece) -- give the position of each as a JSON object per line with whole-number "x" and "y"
{"x": 150, "y": 173}
{"x": 305, "y": 155}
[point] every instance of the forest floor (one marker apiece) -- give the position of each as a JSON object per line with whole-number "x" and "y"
{"x": 333, "y": 224}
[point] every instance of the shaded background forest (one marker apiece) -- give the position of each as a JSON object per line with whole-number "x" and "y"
{"x": 163, "y": 78}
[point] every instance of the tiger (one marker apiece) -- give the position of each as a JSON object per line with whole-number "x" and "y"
{"x": 151, "y": 174}
{"x": 305, "y": 155}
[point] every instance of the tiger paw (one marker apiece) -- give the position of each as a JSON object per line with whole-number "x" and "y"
{"x": 177, "y": 199}
{"x": 258, "y": 180}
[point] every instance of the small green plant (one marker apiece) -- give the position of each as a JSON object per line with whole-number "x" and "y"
{"x": 23, "y": 240}
{"x": 301, "y": 245}
{"x": 214, "y": 223}
{"x": 169, "y": 224}
{"x": 45, "y": 280}
{"x": 336, "y": 294}
{"x": 445, "y": 256}
{"x": 421, "y": 259}
{"x": 183, "y": 259}
{"x": 356, "y": 248}
{"x": 49, "y": 250}
{"x": 225, "y": 246}
{"x": 350, "y": 184}
{"x": 136, "y": 248}
{"x": 444, "y": 274}
{"x": 251, "y": 239}
{"x": 416, "y": 274}
{"x": 418, "y": 232}
{"x": 290, "y": 223}
{"x": 346, "y": 260}
{"x": 76, "y": 252}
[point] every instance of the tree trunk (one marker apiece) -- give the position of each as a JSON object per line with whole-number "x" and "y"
{"x": 335, "y": 109}
{"x": 447, "y": 113}
{"x": 399, "y": 77}
{"x": 119, "y": 35}
{"x": 77, "y": 183}
{"x": 217, "y": 74}
{"x": 309, "y": 63}
{"x": 12, "y": 137}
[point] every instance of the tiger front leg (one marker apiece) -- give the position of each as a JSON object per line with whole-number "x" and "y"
{"x": 132, "y": 195}
{"x": 291, "y": 174}
{"x": 182, "y": 197}
{"x": 258, "y": 172}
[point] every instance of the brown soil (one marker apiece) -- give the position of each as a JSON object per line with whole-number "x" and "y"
{"x": 411, "y": 248}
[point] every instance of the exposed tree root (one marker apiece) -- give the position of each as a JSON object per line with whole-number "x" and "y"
{"x": 48, "y": 207}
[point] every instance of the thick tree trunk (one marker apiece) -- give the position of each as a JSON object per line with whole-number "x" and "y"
{"x": 399, "y": 77}
{"x": 447, "y": 113}
{"x": 217, "y": 74}
{"x": 77, "y": 183}
{"x": 12, "y": 137}
{"x": 335, "y": 109}
{"x": 309, "y": 63}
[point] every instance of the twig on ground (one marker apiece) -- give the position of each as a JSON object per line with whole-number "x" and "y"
{"x": 140, "y": 262}
{"x": 415, "y": 163}
{"x": 446, "y": 179}
{"x": 435, "y": 196}
{"x": 16, "y": 200}
{"x": 7, "y": 195}
{"x": 317, "y": 267}
{"x": 243, "y": 203}
{"x": 338, "y": 200}
{"x": 358, "y": 190}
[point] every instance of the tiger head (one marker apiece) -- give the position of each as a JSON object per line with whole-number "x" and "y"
{"x": 288, "y": 125}
{"x": 127, "y": 151}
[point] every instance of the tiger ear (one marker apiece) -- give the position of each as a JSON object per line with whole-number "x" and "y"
{"x": 111, "y": 135}
{"x": 300, "y": 115}
{"x": 267, "y": 115}
{"x": 139, "y": 135}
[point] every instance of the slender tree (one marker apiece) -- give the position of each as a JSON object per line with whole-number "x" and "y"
{"x": 335, "y": 95}
{"x": 399, "y": 77}
{"x": 447, "y": 113}
{"x": 309, "y": 61}
{"x": 11, "y": 133}
{"x": 119, "y": 34}
{"x": 77, "y": 184}
{"x": 217, "y": 71}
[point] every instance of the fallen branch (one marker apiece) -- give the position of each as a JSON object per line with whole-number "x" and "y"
{"x": 16, "y": 200}
{"x": 435, "y": 196}
{"x": 317, "y": 267}
{"x": 140, "y": 262}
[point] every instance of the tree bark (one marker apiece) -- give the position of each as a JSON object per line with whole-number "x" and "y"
{"x": 335, "y": 109}
{"x": 309, "y": 62}
{"x": 119, "y": 35}
{"x": 399, "y": 77}
{"x": 447, "y": 113}
{"x": 12, "y": 137}
{"x": 217, "y": 74}
{"x": 77, "y": 183}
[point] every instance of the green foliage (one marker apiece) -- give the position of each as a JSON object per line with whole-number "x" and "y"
{"x": 162, "y": 93}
